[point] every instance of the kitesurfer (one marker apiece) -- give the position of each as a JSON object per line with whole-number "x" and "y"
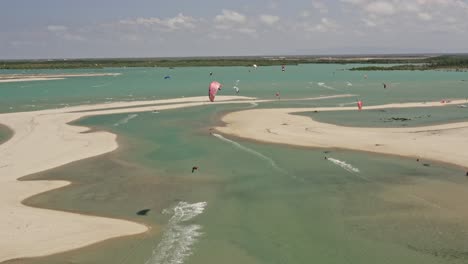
{"x": 213, "y": 89}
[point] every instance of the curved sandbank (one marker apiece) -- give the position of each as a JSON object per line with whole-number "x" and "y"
{"x": 446, "y": 143}
{"x": 47, "y": 77}
{"x": 44, "y": 140}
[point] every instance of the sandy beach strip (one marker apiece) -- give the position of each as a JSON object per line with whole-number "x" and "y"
{"x": 5, "y": 78}
{"x": 44, "y": 140}
{"x": 446, "y": 143}
{"x": 29, "y": 79}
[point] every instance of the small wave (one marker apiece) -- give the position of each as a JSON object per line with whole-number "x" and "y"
{"x": 321, "y": 84}
{"x": 178, "y": 239}
{"x": 349, "y": 84}
{"x": 251, "y": 151}
{"x": 125, "y": 120}
{"x": 343, "y": 165}
{"x": 350, "y": 103}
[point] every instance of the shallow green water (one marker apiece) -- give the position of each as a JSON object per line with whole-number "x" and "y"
{"x": 264, "y": 203}
{"x": 296, "y": 82}
{"x": 396, "y": 117}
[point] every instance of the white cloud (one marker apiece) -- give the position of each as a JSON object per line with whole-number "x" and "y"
{"x": 169, "y": 24}
{"x": 249, "y": 31}
{"x": 64, "y": 33}
{"x": 229, "y": 16}
{"x": 320, "y": 6}
{"x": 380, "y": 8}
{"x": 354, "y": 2}
{"x": 304, "y": 13}
{"x": 325, "y": 25}
{"x": 369, "y": 22}
{"x": 269, "y": 19}
{"x": 75, "y": 37}
{"x": 424, "y": 16}
{"x": 56, "y": 28}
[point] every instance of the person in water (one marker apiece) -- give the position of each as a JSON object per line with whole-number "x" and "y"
{"x": 194, "y": 168}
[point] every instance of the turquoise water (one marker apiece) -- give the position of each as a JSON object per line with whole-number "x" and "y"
{"x": 297, "y": 81}
{"x": 264, "y": 203}
{"x": 396, "y": 117}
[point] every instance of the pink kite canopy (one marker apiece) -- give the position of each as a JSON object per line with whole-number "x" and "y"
{"x": 359, "y": 105}
{"x": 213, "y": 89}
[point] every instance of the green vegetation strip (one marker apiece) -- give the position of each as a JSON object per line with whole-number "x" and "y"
{"x": 456, "y": 63}
{"x": 193, "y": 62}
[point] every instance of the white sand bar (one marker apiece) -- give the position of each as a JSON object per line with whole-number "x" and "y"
{"x": 47, "y": 77}
{"x": 43, "y": 140}
{"x": 447, "y": 143}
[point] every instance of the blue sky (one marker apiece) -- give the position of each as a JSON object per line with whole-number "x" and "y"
{"x": 154, "y": 28}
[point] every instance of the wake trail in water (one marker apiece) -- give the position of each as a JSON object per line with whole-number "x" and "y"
{"x": 251, "y": 151}
{"x": 178, "y": 239}
{"x": 125, "y": 120}
{"x": 321, "y": 84}
{"x": 343, "y": 165}
{"x": 350, "y": 103}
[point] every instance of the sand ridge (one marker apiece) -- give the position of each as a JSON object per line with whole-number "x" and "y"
{"x": 446, "y": 143}
{"x": 44, "y": 140}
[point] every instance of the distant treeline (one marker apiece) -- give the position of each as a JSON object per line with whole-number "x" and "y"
{"x": 408, "y": 63}
{"x": 454, "y": 63}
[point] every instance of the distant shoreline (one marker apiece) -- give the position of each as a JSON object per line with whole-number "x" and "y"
{"x": 207, "y": 62}
{"x": 404, "y": 62}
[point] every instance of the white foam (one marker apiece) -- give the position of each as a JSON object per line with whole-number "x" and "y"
{"x": 350, "y": 103}
{"x": 321, "y": 84}
{"x": 343, "y": 165}
{"x": 178, "y": 239}
{"x": 349, "y": 84}
{"x": 125, "y": 120}
{"x": 251, "y": 151}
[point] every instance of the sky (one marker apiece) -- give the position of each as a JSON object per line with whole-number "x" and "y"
{"x": 43, "y": 29}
